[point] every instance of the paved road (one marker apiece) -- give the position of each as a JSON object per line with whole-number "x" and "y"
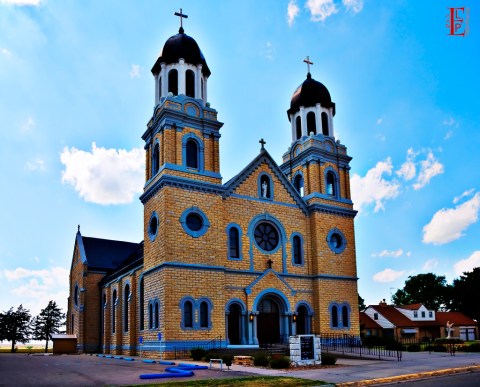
{"x": 471, "y": 379}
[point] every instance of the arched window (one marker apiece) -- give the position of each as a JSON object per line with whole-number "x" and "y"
{"x": 265, "y": 187}
{"x": 298, "y": 127}
{"x": 126, "y": 296}
{"x": 345, "y": 319}
{"x": 233, "y": 243}
{"x": 190, "y": 83}
{"x": 75, "y": 295}
{"x": 203, "y": 314}
{"x": 298, "y": 184}
{"x": 325, "y": 130}
{"x": 188, "y": 314}
{"x": 156, "y": 159}
{"x": 297, "y": 250}
{"x": 157, "y": 315}
{"x": 331, "y": 189}
{"x": 114, "y": 301}
{"x": 192, "y": 154}
{"x": 150, "y": 315}
{"x": 142, "y": 304}
{"x": 311, "y": 123}
{"x": 334, "y": 316}
{"x": 173, "y": 81}
{"x": 160, "y": 87}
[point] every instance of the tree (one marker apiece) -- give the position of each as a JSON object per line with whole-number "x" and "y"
{"x": 428, "y": 289}
{"x": 361, "y": 303}
{"x": 465, "y": 291}
{"x": 48, "y": 322}
{"x": 15, "y": 326}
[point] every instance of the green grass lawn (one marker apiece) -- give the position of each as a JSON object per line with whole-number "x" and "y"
{"x": 246, "y": 381}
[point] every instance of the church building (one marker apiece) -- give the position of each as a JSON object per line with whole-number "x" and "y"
{"x": 266, "y": 255}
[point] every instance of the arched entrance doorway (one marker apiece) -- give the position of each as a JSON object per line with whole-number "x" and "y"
{"x": 234, "y": 324}
{"x": 272, "y": 319}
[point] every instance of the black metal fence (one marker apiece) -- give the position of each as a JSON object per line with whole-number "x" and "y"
{"x": 183, "y": 351}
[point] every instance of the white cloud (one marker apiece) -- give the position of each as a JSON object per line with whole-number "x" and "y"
{"x": 35, "y": 165}
{"x": 269, "y": 51}
{"x": 37, "y": 287}
{"x": 135, "y": 71}
{"x": 21, "y": 2}
{"x": 321, "y": 9}
{"x": 5, "y": 52}
{"x": 448, "y": 135}
{"x": 463, "y": 195}
{"x": 379, "y": 121}
{"x": 430, "y": 264}
{"x": 468, "y": 264}
{"x": 292, "y": 12}
{"x": 104, "y": 176}
{"x": 449, "y": 122}
{"x": 388, "y": 275}
{"x": 374, "y": 188}
{"x": 354, "y": 6}
{"x": 429, "y": 168}
{"x": 28, "y": 126}
{"x": 448, "y": 224}
{"x": 387, "y": 253}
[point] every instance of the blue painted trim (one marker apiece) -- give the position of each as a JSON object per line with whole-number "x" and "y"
{"x": 240, "y": 234}
{"x": 302, "y": 251}
{"x": 125, "y": 302}
{"x": 181, "y": 305}
{"x": 151, "y": 235}
{"x": 336, "y": 185}
{"x": 341, "y": 248}
{"x": 299, "y": 173}
{"x": 270, "y": 186}
{"x": 209, "y": 312}
{"x": 205, "y": 222}
{"x": 153, "y": 319}
{"x": 180, "y": 182}
{"x": 141, "y": 302}
{"x": 248, "y": 289}
{"x": 333, "y": 210}
{"x": 262, "y": 200}
{"x": 318, "y": 195}
{"x": 152, "y": 157}
{"x": 237, "y": 301}
{"x": 266, "y": 217}
{"x": 272, "y": 291}
{"x": 339, "y": 307}
{"x": 200, "y": 152}
{"x": 306, "y": 305}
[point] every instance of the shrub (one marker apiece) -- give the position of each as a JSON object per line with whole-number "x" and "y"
{"x": 475, "y": 347}
{"x": 210, "y": 355}
{"x": 372, "y": 341}
{"x": 328, "y": 359}
{"x": 413, "y": 348}
{"x": 227, "y": 360}
{"x": 198, "y": 353}
{"x": 435, "y": 348}
{"x": 260, "y": 360}
{"x": 281, "y": 362}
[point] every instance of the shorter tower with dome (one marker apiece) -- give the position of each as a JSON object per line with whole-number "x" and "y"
{"x": 251, "y": 261}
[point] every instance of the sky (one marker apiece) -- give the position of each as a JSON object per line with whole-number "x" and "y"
{"x": 76, "y": 93}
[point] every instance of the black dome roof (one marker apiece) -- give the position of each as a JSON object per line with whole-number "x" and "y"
{"x": 309, "y": 93}
{"x": 181, "y": 46}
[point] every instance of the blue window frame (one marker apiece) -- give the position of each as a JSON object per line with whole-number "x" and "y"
{"x": 334, "y": 316}
{"x": 192, "y": 309}
{"x": 234, "y": 239}
{"x": 156, "y": 159}
{"x": 340, "y": 315}
{"x": 192, "y": 153}
{"x": 194, "y": 222}
{"x": 126, "y": 300}
{"x": 114, "y": 304}
{"x": 298, "y": 183}
{"x": 141, "y": 303}
{"x": 150, "y": 315}
{"x": 297, "y": 249}
{"x": 336, "y": 241}
{"x": 188, "y": 314}
{"x": 265, "y": 186}
{"x": 153, "y": 224}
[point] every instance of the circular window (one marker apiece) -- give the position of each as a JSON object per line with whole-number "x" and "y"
{"x": 153, "y": 226}
{"x": 266, "y": 236}
{"x": 336, "y": 241}
{"x": 194, "y": 222}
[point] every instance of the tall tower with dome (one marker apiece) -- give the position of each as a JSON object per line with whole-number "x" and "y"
{"x": 266, "y": 255}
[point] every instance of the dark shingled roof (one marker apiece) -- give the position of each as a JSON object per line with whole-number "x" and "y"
{"x": 181, "y": 46}
{"x": 458, "y": 318}
{"x": 309, "y": 93}
{"x": 367, "y": 322}
{"x": 107, "y": 254}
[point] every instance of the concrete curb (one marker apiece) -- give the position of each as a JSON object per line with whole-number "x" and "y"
{"x": 420, "y": 375}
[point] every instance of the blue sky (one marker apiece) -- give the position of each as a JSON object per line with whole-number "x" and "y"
{"x": 76, "y": 93}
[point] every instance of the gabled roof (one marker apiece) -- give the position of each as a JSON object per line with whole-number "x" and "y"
{"x": 105, "y": 254}
{"x": 264, "y": 157}
{"x": 397, "y": 318}
{"x": 411, "y": 307}
{"x": 368, "y": 323}
{"x": 457, "y": 318}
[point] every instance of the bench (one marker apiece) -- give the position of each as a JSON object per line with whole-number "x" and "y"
{"x": 243, "y": 360}
{"x": 220, "y": 361}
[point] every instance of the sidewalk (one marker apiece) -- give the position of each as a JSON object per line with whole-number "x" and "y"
{"x": 352, "y": 371}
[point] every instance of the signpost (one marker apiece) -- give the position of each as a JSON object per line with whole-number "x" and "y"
{"x": 306, "y": 348}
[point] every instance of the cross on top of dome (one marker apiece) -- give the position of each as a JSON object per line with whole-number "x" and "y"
{"x": 181, "y": 15}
